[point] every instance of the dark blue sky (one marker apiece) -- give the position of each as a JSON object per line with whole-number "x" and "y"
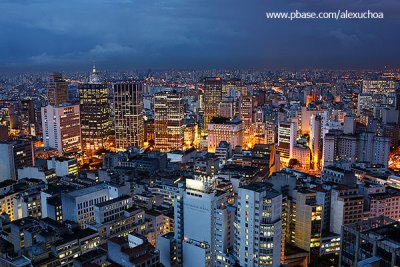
{"x": 140, "y": 34}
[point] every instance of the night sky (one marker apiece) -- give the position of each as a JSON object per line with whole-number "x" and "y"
{"x": 193, "y": 34}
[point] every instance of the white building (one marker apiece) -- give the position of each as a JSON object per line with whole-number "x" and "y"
{"x": 63, "y": 166}
{"x": 203, "y": 224}
{"x": 62, "y": 127}
{"x": 78, "y": 206}
{"x": 258, "y": 226}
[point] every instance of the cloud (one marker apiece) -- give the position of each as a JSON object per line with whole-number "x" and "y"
{"x": 346, "y": 39}
{"x": 111, "y": 48}
{"x": 167, "y": 32}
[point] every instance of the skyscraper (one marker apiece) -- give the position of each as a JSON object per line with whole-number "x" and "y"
{"x": 212, "y": 97}
{"x": 95, "y": 114}
{"x": 287, "y": 134}
{"x": 258, "y": 231}
{"x": 62, "y": 128}
{"x": 203, "y": 221}
{"x": 128, "y": 112}
{"x": 168, "y": 120}
{"x": 57, "y": 89}
{"x": 28, "y": 117}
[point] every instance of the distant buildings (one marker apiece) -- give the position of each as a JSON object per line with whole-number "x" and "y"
{"x": 128, "y": 112}
{"x": 364, "y": 147}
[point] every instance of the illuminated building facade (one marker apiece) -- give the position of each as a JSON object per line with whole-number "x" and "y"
{"x": 62, "y": 128}
{"x": 212, "y": 97}
{"x": 223, "y": 129}
{"x": 95, "y": 116}
{"x": 258, "y": 227}
{"x": 287, "y": 134}
{"x": 246, "y": 115}
{"x": 168, "y": 121}
{"x": 128, "y": 112}
{"x": 57, "y": 89}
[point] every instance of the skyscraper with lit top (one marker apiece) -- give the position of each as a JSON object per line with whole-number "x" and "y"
{"x": 95, "y": 113}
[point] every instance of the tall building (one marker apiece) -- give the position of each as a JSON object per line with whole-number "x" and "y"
{"x": 287, "y": 135}
{"x": 212, "y": 97}
{"x": 57, "y": 89}
{"x": 203, "y": 220}
{"x": 346, "y": 207}
{"x": 15, "y": 154}
{"x": 62, "y": 127}
{"x": 315, "y": 140}
{"x": 258, "y": 231}
{"x": 307, "y": 221}
{"x": 168, "y": 121}
{"x": 223, "y": 129}
{"x": 128, "y": 112}
{"x": 95, "y": 114}
{"x": 28, "y": 117}
{"x": 246, "y": 115}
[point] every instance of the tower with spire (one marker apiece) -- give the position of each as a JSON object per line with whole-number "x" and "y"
{"x": 94, "y": 77}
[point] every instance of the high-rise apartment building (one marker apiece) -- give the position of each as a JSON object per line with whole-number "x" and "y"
{"x": 168, "y": 121}
{"x": 128, "y": 112}
{"x": 246, "y": 115}
{"x": 28, "y": 117}
{"x": 15, "y": 154}
{"x": 95, "y": 115}
{"x": 212, "y": 97}
{"x": 258, "y": 228}
{"x": 57, "y": 89}
{"x": 203, "y": 222}
{"x": 306, "y": 220}
{"x": 62, "y": 127}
